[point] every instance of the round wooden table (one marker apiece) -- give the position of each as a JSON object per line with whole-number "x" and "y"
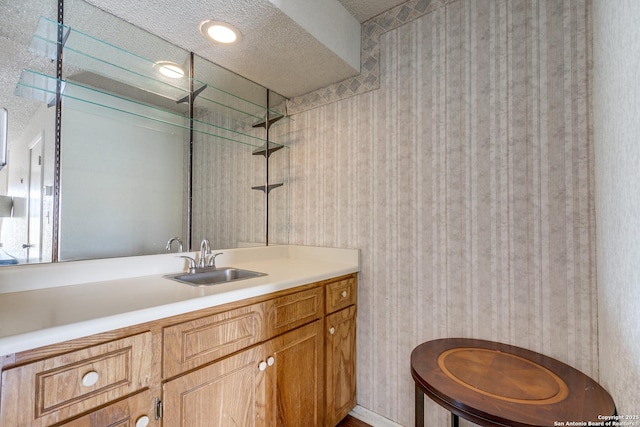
{"x": 493, "y": 384}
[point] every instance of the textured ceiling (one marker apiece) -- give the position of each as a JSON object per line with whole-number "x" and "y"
{"x": 16, "y": 30}
{"x": 276, "y": 51}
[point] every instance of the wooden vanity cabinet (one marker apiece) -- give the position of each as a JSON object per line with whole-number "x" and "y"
{"x": 278, "y": 382}
{"x": 266, "y": 361}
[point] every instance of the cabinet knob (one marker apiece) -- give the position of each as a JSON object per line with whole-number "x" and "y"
{"x": 262, "y": 366}
{"x": 143, "y": 421}
{"x": 344, "y": 294}
{"x": 271, "y": 361}
{"x": 332, "y": 330}
{"x": 90, "y": 378}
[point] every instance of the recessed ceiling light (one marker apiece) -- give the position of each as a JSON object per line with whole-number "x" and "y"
{"x": 170, "y": 69}
{"x": 220, "y": 32}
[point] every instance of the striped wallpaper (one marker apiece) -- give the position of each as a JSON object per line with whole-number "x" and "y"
{"x": 467, "y": 181}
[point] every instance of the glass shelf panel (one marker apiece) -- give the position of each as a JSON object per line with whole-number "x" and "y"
{"x": 87, "y": 54}
{"x": 42, "y": 88}
{"x": 93, "y": 55}
{"x": 214, "y": 100}
{"x": 227, "y": 134}
{"x": 247, "y": 111}
{"x": 36, "y": 87}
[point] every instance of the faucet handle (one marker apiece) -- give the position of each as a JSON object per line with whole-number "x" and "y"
{"x": 192, "y": 263}
{"x": 212, "y": 260}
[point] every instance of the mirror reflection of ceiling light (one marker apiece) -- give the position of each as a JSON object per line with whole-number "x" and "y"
{"x": 170, "y": 69}
{"x": 220, "y": 32}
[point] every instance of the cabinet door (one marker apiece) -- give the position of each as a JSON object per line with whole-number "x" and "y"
{"x": 295, "y": 377}
{"x": 341, "y": 365}
{"x": 228, "y": 393}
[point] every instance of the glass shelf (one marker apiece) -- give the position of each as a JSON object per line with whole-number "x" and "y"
{"x": 37, "y": 87}
{"x": 40, "y": 87}
{"x": 248, "y": 112}
{"x": 92, "y": 55}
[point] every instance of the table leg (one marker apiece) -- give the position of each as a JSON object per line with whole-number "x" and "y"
{"x": 455, "y": 421}
{"x": 419, "y": 407}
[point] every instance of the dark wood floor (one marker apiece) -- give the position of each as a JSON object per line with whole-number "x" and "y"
{"x": 352, "y": 422}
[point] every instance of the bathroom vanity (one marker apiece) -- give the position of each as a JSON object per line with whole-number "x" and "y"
{"x": 277, "y": 349}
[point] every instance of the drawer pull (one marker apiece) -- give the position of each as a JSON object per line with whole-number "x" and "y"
{"x": 143, "y": 421}
{"x": 90, "y": 378}
{"x": 271, "y": 361}
{"x": 262, "y": 366}
{"x": 332, "y": 330}
{"x": 344, "y": 294}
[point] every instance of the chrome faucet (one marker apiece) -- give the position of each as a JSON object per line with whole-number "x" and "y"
{"x": 205, "y": 261}
{"x": 205, "y": 249}
{"x": 174, "y": 239}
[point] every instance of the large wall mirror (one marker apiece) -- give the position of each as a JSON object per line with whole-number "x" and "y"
{"x": 146, "y": 153}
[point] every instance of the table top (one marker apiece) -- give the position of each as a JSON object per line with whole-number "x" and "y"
{"x": 494, "y": 384}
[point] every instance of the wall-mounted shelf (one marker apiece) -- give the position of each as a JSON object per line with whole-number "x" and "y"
{"x": 37, "y": 87}
{"x": 267, "y": 149}
{"x": 40, "y": 87}
{"x": 267, "y": 124}
{"x": 90, "y": 55}
{"x": 267, "y": 188}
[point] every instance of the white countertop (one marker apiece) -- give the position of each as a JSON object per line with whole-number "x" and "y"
{"x": 46, "y": 304}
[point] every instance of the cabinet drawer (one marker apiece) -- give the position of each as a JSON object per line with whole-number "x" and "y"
{"x": 54, "y": 389}
{"x": 340, "y": 294}
{"x": 135, "y": 411}
{"x": 290, "y": 311}
{"x": 191, "y": 344}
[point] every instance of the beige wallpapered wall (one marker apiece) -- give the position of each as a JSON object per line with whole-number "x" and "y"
{"x": 617, "y": 152}
{"x": 467, "y": 181}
